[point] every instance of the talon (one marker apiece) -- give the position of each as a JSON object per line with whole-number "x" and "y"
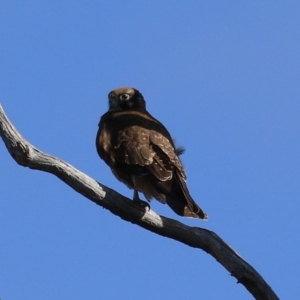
{"x": 139, "y": 202}
{"x": 143, "y": 204}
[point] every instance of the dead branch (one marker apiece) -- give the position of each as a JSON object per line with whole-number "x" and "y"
{"x": 27, "y": 155}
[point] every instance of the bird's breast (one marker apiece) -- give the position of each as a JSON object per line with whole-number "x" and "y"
{"x": 104, "y": 144}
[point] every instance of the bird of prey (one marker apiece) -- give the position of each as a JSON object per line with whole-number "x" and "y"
{"x": 141, "y": 153}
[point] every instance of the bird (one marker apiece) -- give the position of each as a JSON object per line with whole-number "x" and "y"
{"x": 141, "y": 153}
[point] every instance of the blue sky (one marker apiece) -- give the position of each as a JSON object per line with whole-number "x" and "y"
{"x": 224, "y": 79}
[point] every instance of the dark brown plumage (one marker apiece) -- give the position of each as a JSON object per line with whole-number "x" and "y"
{"x": 141, "y": 153}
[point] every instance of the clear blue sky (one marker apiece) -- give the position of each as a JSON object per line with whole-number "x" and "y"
{"x": 223, "y": 76}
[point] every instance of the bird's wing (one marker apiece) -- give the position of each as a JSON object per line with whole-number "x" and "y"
{"x": 149, "y": 149}
{"x": 167, "y": 153}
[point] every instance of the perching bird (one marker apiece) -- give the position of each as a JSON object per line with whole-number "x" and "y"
{"x": 141, "y": 153}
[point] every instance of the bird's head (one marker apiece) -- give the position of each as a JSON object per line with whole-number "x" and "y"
{"x": 125, "y": 98}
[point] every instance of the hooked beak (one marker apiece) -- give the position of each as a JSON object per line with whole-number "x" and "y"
{"x": 113, "y": 101}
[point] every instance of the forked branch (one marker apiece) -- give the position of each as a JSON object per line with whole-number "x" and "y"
{"x": 27, "y": 155}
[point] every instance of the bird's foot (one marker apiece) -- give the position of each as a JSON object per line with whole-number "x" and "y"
{"x": 143, "y": 204}
{"x": 138, "y": 202}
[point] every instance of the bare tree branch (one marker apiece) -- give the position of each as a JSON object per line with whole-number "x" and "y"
{"x": 28, "y": 156}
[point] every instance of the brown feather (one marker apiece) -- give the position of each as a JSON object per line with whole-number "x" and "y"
{"x": 142, "y": 154}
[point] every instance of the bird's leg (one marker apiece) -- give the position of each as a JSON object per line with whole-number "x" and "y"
{"x": 136, "y": 199}
{"x": 136, "y": 196}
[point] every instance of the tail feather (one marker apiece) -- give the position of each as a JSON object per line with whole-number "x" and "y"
{"x": 181, "y": 202}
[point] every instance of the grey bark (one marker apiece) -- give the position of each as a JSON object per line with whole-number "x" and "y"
{"x": 27, "y": 155}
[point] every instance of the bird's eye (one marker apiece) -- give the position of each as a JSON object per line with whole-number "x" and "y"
{"x": 124, "y": 97}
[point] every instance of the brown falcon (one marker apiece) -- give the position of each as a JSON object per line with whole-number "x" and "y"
{"x": 141, "y": 153}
